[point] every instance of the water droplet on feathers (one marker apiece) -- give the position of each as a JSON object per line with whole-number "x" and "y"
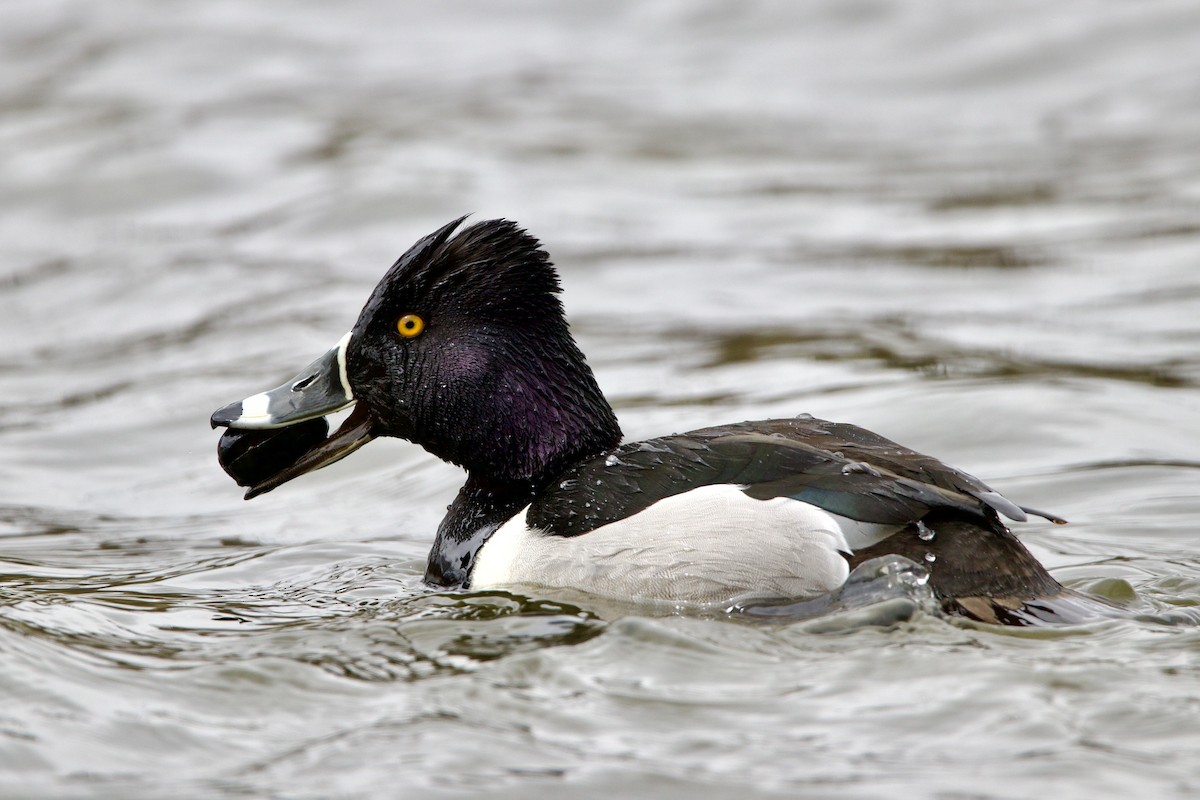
{"x": 924, "y": 532}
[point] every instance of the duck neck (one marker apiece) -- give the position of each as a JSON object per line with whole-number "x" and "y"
{"x": 529, "y": 414}
{"x": 478, "y": 510}
{"x": 514, "y": 448}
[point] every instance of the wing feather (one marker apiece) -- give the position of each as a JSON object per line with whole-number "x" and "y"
{"x": 841, "y": 468}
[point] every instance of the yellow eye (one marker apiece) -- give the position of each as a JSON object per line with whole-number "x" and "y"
{"x": 410, "y": 325}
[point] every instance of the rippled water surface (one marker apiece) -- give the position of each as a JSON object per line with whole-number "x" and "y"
{"x": 973, "y": 228}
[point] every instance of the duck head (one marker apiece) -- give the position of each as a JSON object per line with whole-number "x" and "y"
{"x": 462, "y": 348}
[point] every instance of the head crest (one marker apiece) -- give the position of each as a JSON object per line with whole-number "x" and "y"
{"x": 492, "y": 268}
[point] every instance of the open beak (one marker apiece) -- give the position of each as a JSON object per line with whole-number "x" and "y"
{"x": 274, "y": 436}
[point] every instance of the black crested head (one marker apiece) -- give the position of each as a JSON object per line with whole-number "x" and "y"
{"x": 463, "y": 348}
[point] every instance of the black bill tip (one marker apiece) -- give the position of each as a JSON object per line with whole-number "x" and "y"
{"x": 224, "y": 416}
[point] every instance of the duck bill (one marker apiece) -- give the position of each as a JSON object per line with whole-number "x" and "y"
{"x": 321, "y": 388}
{"x": 354, "y": 432}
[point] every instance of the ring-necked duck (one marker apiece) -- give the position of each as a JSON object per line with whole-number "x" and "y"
{"x": 463, "y": 348}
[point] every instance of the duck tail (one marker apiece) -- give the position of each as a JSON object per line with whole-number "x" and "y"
{"x": 978, "y": 569}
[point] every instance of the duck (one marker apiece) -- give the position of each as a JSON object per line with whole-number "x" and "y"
{"x": 464, "y": 349}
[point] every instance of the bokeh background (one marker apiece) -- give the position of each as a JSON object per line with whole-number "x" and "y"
{"x": 973, "y": 228}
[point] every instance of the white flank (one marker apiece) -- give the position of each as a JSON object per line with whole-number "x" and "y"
{"x": 708, "y": 545}
{"x": 860, "y": 535}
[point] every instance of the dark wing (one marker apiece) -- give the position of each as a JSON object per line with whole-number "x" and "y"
{"x": 842, "y": 468}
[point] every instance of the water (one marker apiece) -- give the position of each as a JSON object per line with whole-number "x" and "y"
{"x": 971, "y": 229}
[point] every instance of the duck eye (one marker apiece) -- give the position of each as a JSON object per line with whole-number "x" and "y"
{"x": 410, "y": 325}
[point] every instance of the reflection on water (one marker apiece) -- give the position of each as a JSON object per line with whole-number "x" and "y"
{"x": 894, "y": 344}
{"x": 972, "y": 230}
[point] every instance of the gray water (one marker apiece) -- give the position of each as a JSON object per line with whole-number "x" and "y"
{"x": 973, "y": 228}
